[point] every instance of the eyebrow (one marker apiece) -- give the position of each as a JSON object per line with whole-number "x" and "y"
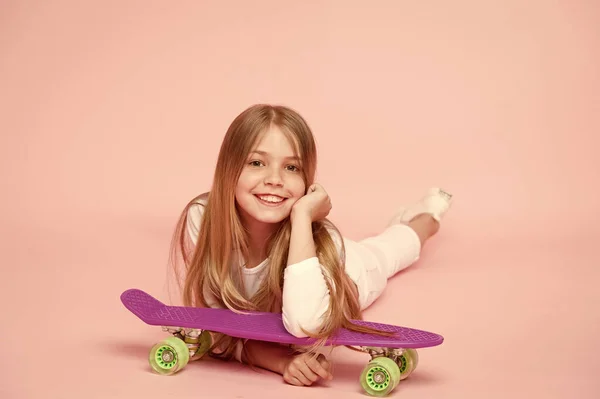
{"x": 266, "y": 154}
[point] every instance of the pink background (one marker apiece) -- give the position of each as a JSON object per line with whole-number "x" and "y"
{"x": 111, "y": 117}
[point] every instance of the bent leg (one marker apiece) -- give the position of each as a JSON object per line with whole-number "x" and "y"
{"x": 372, "y": 261}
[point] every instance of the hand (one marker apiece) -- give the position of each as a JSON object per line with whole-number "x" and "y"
{"x": 305, "y": 369}
{"x": 316, "y": 203}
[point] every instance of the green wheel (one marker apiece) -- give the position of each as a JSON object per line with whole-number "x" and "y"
{"x": 407, "y": 363}
{"x": 415, "y": 357}
{"x": 380, "y": 376}
{"x": 169, "y": 356}
{"x": 204, "y": 344}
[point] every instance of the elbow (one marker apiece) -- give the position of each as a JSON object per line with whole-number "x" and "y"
{"x": 299, "y": 327}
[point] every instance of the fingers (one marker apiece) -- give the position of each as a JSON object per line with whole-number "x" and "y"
{"x": 295, "y": 376}
{"x": 293, "y": 381}
{"x": 320, "y": 366}
{"x": 316, "y": 187}
{"x": 300, "y": 373}
{"x": 306, "y": 369}
{"x": 304, "y": 375}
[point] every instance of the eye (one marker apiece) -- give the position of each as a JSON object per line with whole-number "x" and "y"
{"x": 294, "y": 168}
{"x": 255, "y": 163}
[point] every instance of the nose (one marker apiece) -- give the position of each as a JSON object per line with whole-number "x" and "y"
{"x": 273, "y": 177}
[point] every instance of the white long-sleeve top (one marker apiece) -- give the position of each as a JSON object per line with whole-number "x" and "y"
{"x": 305, "y": 293}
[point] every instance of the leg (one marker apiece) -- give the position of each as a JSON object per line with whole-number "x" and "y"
{"x": 396, "y": 249}
{"x": 424, "y": 217}
{"x": 372, "y": 261}
{"x": 425, "y": 226}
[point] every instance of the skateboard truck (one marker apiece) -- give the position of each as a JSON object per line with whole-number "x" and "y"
{"x": 379, "y": 352}
{"x": 198, "y": 341}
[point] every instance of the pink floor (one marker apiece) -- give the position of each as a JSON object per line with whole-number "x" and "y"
{"x": 111, "y": 117}
{"x": 519, "y": 318}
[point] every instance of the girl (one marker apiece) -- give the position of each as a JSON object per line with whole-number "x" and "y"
{"x": 260, "y": 240}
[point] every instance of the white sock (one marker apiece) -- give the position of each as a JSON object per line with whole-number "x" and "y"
{"x": 435, "y": 203}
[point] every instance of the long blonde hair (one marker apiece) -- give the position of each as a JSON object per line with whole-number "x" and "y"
{"x": 208, "y": 263}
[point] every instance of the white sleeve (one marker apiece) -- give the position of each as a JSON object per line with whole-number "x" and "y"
{"x": 194, "y": 219}
{"x": 305, "y": 297}
{"x": 305, "y": 294}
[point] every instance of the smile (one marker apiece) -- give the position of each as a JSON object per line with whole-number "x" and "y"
{"x": 270, "y": 200}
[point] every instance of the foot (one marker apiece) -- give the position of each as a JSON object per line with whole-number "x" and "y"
{"x": 435, "y": 203}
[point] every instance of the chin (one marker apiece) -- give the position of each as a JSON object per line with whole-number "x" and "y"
{"x": 271, "y": 219}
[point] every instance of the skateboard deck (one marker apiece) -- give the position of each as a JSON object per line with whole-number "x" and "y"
{"x": 393, "y": 358}
{"x": 265, "y": 326}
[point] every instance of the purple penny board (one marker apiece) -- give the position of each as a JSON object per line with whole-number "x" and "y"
{"x": 264, "y": 326}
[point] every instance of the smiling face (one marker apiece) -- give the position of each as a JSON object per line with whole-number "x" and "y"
{"x": 271, "y": 181}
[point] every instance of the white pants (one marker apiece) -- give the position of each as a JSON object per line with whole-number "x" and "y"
{"x": 372, "y": 261}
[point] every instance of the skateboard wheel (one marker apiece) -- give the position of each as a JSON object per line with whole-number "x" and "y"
{"x": 407, "y": 363}
{"x": 380, "y": 376}
{"x": 169, "y": 356}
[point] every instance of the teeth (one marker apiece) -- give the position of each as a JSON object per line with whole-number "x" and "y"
{"x": 270, "y": 198}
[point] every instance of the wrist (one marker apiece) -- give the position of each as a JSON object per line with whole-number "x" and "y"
{"x": 300, "y": 216}
{"x": 284, "y": 360}
{"x": 267, "y": 355}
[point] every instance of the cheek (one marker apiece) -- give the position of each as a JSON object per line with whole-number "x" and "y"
{"x": 241, "y": 190}
{"x": 299, "y": 188}
{"x": 244, "y": 182}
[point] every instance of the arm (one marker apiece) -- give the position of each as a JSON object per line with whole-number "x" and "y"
{"x": 302, "y": 244}
{"x": 267, "y": 355}
{"x": 305, "y": 293}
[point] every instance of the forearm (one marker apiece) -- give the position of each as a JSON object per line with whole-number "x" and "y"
{"x": 302, "y": 244}
{"x": 267, "y": 355}
{"x": 305, "y": 292}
